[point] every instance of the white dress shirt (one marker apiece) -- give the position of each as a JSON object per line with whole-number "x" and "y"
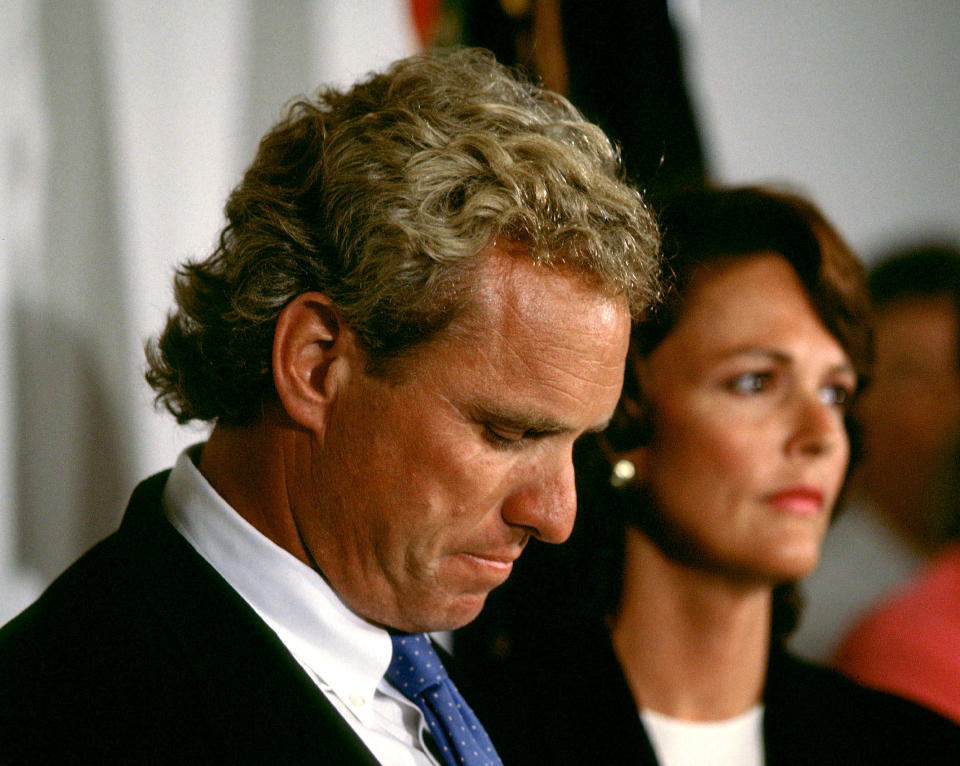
{"x": 344, "y": 654}
{"x": 735, "y": 741}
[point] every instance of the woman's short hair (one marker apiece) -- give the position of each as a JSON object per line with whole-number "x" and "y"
{"x": 704, "y": 228}
{"x": 381, "y": 197}
{"x": 709, "y": 226}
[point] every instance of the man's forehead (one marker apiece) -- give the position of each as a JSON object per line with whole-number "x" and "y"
{"x": 535, "y": 322}
{"x": 547, "y": 348}
{"x": 511, "y": 282}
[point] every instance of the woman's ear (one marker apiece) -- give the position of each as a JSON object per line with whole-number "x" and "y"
{"x": 628, "y": 468}
{"x": 631, "y": 424}
{"x": 627, "y": 440}
{"x": 313, "y": 351}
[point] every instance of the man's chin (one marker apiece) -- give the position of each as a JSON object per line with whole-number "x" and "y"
{"x": 452, "y": 615}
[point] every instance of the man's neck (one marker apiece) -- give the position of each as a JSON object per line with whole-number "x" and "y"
{"x": 247, "y": 466}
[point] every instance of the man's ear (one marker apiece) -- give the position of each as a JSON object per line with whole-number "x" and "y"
{"x": 313, "y": 350}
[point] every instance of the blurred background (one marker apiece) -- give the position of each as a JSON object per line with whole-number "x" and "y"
{"x": 125, "y": 123}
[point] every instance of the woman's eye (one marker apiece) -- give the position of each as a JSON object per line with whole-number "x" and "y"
{"x": 836, "y": 395}
{"x": 750, "y": 382}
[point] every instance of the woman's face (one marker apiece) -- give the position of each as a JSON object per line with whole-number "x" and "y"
{"x": 749, "y": 450}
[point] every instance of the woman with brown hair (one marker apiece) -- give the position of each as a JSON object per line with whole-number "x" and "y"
{"x": 656, "y": 637}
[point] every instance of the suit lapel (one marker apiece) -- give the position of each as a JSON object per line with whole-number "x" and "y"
{"x": 254, "y": 693}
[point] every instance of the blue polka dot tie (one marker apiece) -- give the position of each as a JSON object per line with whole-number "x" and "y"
{"x": 418, "y": 673}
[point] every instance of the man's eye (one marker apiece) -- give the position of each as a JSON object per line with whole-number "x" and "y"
{"x": 502, "y": 439}
{"x": 750, "y": 382}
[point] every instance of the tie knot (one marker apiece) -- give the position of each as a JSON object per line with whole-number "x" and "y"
{"x": 415, "y": 665}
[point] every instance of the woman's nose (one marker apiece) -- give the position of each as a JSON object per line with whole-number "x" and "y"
{"x": 819, "y": 426}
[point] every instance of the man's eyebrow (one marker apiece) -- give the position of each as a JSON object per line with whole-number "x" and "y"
{"x": 528, "y": 422}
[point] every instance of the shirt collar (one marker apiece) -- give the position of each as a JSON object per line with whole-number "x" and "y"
{"x": 342, "y": 649}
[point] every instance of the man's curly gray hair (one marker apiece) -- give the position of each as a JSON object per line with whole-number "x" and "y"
{"x": 381, "y": 197}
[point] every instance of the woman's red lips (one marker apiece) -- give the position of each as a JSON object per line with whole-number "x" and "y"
{"x": 802, "y": 501}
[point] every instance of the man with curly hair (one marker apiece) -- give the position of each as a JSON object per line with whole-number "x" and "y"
{"x": 421, "y": 298}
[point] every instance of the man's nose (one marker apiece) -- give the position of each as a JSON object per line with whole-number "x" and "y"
{"x": 545, "y": 504}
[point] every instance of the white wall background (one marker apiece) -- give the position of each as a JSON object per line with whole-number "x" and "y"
{"x": 856, "y": 103}
{"x": 124, "y": 124}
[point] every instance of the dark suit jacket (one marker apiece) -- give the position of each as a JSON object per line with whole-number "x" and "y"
{"x": 563, "y": 700}
{"x": 141, "y": 653}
